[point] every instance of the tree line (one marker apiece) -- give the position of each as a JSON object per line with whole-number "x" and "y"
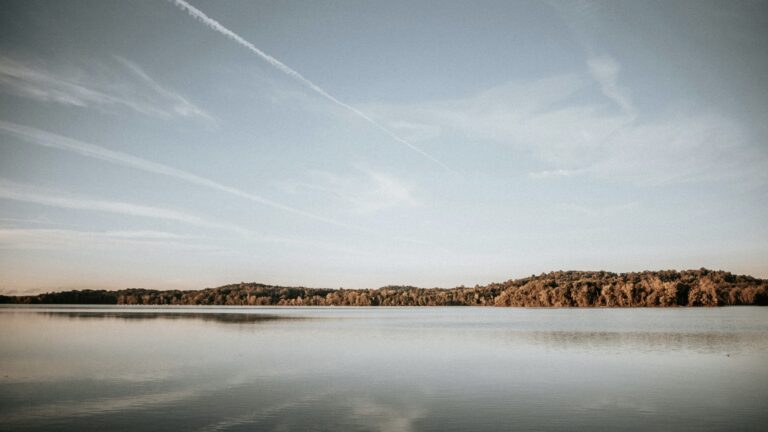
{"x": 667, "y": 288}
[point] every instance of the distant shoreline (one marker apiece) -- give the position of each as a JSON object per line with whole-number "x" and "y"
{"x": 666, "y": 288}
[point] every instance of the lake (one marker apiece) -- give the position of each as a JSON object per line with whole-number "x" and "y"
{"x": 100, "y": 368}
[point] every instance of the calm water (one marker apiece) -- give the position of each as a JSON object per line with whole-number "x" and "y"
{"x": 387, "y": 369}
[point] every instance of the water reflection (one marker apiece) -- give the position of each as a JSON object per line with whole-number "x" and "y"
{"x": 730, "y": 343}
{"x": 81, "y": 369}
{"x": 226, "y": 318}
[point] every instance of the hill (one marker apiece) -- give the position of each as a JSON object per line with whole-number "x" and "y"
{"x": 667, "y": 288}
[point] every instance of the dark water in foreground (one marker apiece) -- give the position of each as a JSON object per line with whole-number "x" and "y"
{"x": 385, "y": 369}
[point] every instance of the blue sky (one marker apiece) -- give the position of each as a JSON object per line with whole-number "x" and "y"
{"x": 358, "y": 144}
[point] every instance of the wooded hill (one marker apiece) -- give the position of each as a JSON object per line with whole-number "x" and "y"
{"x": 666, "y": 288}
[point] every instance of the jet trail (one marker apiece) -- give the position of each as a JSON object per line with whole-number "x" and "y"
{"x": 20, "y": 192}
{"x": 51, "y": 140}
{"x": 216, "y": 26}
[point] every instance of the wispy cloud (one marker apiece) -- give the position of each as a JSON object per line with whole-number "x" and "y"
{"x": 593, "y": 211}
{"x": 51, "y": 239}
{"x": 47, "y": 139}
{"x": 531, "y": 115}
{"x": 105, "y": 85}
{"x": 364, "y": 191}
{"x": 544, "y": 174}
{"x": 568, "y": 135}
{"x": 21, "y": 238}
{"x": 25, "y": 193}
{"x": 605, "y": 71}
{"x": 218, "y": 27}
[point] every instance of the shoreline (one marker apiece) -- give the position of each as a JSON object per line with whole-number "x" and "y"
{"x": 562, "y": 289}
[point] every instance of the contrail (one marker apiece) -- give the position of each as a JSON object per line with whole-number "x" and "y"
{"x": 20, "y": 192}
{"x": 50, "y": 140}
{"x": 215, "y": 25}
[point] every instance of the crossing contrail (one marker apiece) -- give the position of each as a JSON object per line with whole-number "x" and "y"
{"x": 282, "y": 67}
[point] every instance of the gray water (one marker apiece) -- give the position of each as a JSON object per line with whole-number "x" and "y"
{"x": 382, "y": 369}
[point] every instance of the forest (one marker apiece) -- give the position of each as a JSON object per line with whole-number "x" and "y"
{"x": 667, "y": 288}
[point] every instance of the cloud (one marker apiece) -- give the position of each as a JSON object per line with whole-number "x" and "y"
{"x": 417, "y": 131}
{"x": 55, "y": 239}
{"x": 554, "y": 123}
{"x": 177, "y": 104}
{"x": 680, "y": 148}
{"x": 530, "y": 115}
{"x": 25, "y": 193}
{"x": 20, "y": 238}
{"x": 593, "y": 211}
{"x": 364, "y": 191}
{"x": 605, "y": 71}
{"x": 218, "y": 27}
{"x": 104, "y": 86}
{"x": 50, "y": 140}
{"x": 544, "y": 174}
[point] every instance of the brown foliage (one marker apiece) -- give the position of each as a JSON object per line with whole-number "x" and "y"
{"x": 556, "y": 289}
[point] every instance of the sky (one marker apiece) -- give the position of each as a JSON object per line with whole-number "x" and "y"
{"x": 356, "y": 144}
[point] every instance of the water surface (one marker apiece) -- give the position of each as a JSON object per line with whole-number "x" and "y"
{"x": 382, "y": 369}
